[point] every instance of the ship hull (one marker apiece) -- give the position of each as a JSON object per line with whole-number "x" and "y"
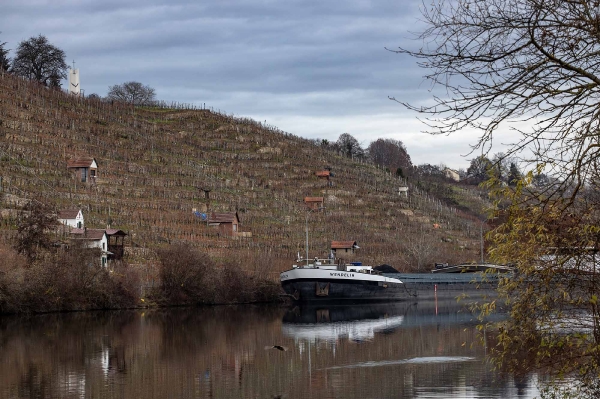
{"x": 313, "y": 285}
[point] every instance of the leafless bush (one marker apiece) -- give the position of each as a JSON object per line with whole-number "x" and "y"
{"x": 185, "y": 274}
{"x": 189, "y": 276}
{"x": 239, "y": 285}
{"x": 421, "y": 248}
{"x": 70, "y": 279}
{"x": 34, "y": 229}
{"x": 10, "y": 261}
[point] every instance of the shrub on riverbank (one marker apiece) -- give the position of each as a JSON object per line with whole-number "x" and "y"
{"x": 189, "y": 276}
{"x": 64, "y": 280}
{"x": 73, "y": 279}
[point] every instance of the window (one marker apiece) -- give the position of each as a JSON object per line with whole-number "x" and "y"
{"x": 83, "y": 174}
{"x": 78, "y": 225}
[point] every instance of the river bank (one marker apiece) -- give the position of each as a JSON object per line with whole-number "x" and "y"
{"x": 73, "y": 281}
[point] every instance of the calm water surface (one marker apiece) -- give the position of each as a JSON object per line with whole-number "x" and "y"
{"x": 395, "y": 350}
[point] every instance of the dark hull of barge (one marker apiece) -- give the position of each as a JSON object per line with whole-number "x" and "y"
{"x": 344, "y": 290}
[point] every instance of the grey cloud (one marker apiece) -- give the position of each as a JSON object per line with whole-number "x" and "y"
{"x": 283, "y": 61}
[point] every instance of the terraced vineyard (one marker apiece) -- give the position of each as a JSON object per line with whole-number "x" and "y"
{"x": 155, "y": 166}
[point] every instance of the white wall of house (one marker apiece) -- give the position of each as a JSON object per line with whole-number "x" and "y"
{"x": 102, "y": 243}
{"x": 452, "y": 174}
{"x": 76, "y": 223}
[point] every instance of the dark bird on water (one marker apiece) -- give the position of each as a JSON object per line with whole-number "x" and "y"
{"x": 278, "y": 347}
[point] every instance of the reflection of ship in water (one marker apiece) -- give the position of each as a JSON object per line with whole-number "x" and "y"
{"x": 329, "y": 323}
{"x": 362, "y": 321}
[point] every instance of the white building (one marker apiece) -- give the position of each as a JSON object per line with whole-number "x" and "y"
{"x": 93, "y": 238}
{"x": 452, "y": 174}
{"x": 71, "y": 218}
{"x": 74, "y": 82}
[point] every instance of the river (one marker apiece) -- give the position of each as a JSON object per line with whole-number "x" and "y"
{"x": 394, "y": 350}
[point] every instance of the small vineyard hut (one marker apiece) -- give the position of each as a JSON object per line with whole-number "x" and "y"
{"x": 314, "y": 203}
{"x": 84, "y": 168}
{"x": 343, "y": 249}
{"x": 227, "y": 223}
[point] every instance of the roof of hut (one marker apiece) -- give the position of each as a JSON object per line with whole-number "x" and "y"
{"x": 343, "y": 244}
{"x": 68, "y": 213}
{"x": 228, "y": 217}
{"x": 84, "y": 162}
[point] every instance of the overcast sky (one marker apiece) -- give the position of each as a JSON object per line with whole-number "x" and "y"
{"x": 315, "y": 69}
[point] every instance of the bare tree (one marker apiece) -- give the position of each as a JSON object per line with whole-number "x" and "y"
{"x": 349, "y": 146}
{"x": 421, "y": 248}
{"x": 34, "y": 229}
{"x": 506, "y": 61}
{"x": 132, "y": 92}
{"x": 37, "y": 59}
{"x": 531, "y": 66}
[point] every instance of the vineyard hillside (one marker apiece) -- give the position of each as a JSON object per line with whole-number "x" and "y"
{"x": 161, "y": 168}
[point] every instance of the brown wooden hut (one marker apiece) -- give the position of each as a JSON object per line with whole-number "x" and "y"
{"x": 314, "y": 203}
{"x": 343, "y": 249}
{"x": 323, "y": 174}
{"x": 227, "y": 223}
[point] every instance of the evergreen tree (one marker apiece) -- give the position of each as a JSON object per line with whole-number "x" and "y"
{"x": 478, "y": 169}
{"x": 4, "y": 60}
{"x": 514, "y": 174}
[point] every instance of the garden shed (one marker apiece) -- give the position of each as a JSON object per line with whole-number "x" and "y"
{"x": 85, "y": 169}
{"x": 314, "y": 203}
{"x": 343, "y": 249}
{"x": 227, "y": 223}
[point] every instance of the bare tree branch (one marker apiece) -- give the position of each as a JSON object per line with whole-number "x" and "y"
{"x": 532, "y": 62}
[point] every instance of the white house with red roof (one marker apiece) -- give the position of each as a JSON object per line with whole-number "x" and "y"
{"x": 71, "y": 218}
{"x": 110, "y": 242}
